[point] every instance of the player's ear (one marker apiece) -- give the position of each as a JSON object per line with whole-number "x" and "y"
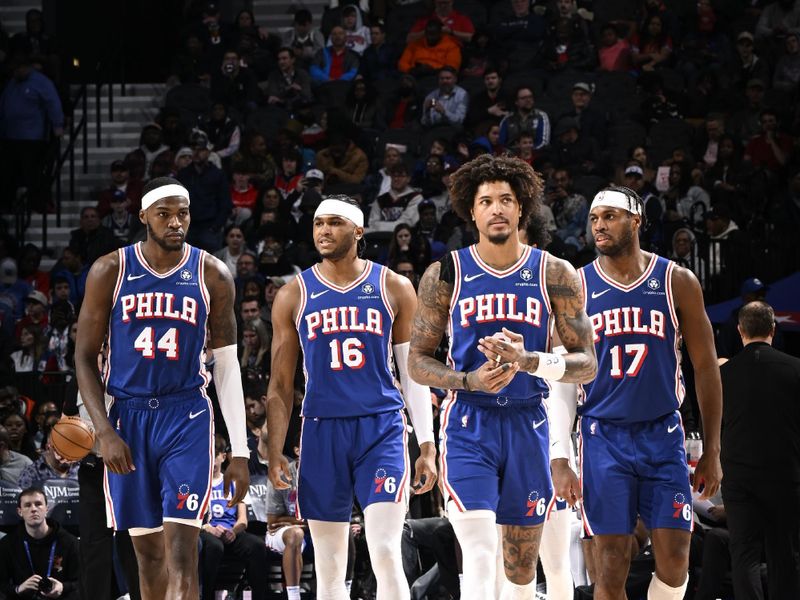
{"x": 359, "y": 232}
{"x": 141, "y": 217}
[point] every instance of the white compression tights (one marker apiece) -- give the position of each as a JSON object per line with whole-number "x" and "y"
{"x": 330, "y": 562}
{"x": 554, "y": 552}
{"x": 477, "y": 536}
{"x": 383, "y": 525}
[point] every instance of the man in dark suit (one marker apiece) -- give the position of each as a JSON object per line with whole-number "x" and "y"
{"x": 761, "y": 458}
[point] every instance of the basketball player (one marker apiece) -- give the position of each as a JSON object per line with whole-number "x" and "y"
{"x": 632, "y": 455}
{"x": 496, "y": 300}
{"x": 347, "y": 314}
{"x": 152, "y": 301}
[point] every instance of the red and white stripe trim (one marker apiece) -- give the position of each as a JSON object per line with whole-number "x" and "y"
{"x": 316, "y": 270}
{"x": 187, "y": 251}
{"x": 401, "y": 489}
{"x": 303, "y": 299}
{"x": 631, "y": 286}
{"x": 450, "y": 493}
{"x": 505, "y": 272}
{"x": 680, "y": 390}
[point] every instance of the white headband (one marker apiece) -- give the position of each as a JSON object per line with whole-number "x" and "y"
{"x": 341, "y": 209}
{"x": 165, "y": 191}
{"x": 615, "y": 199}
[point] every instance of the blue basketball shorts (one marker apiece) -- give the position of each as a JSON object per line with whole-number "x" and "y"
{"x": 634, "y": 469}
{"x": 497, "y": 458}
{"x": 172, "y": 445}
{"x": 366, "y": 455}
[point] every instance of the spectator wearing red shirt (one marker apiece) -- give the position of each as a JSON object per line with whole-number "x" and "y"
{"x": 454, "y": 23}
{"x": 243, "y": 195}
{"x": 771, "y": 149}
{"x": 289, "y": 174}
{"x": 335, "y": 62}
{"x": 614, "y": 53}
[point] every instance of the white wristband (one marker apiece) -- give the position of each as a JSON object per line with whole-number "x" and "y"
{"x": 551, "y": 366}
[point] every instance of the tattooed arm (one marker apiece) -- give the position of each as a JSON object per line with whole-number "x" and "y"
{"x": 430, "y": 321}
{"x": 572, "y": 323}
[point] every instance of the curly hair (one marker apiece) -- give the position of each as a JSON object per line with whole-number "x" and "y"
{"x": 526, "y": 183}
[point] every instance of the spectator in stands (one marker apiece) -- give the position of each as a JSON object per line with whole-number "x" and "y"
{"x": 59, "y": 344}
{"x": 748, "y": 64}
{"x": 448, "y": 103}
{"x": 286, "y": 534}
{"x": 151, "y": 145}
{"x": 304, "y": 40}
{"x": 362, "y": 108}
{"x": 30, "y": 113}
{"x": 41, "y": 413}
{"x": 772, "y": 149}
{"x": 651, "y": 47}
{"x": 403, "y": 266}
{"x": 429, "y": 181}
{"x": 254, "y": 158}
{"x": 34, "y": 41}
{"x": 591, "y": 122}
{"x": 235, "y": 86}
{"x": 776, "y": 19}
{"x": 335, "y": 62}
{"x": 686, "y": 253}
{"x": 11, "y": 463}
{"x": 256, "y": 340}
{"x": 36, "y": 305}
{"x": 427, "y": 55}
{"x": 234, "y": 246}
{"x": 525, "y": 118}
{"x": 31, "y": 342}
{"x": 174, "y": 132}
{"x": 60, "y": 288}
{"x": 224, "y": 133}
{"x": 521, "y": 29}
{"x": 72, "y": 268}
{"x": 525, "y": 147}
{"x": 211, "y": 198}
{"x": 289, "y": 174}
{"x": 427, "y": 228}
{"x": 224, "y": 535}
{"x": 120, "y": 182}
{"x": 707, "y": 147}
{"x": 39, "y": 546}
{"x": 244, "y": 196}
{"x": 745, "y": 123}
{"x": 13, "y": 289}
{"x": 191, "y": 64}
{"x": 787, "y": 71}
{"x": 570, "y": 209}
{"x": 398, "y": 205}
{"x": 720, "y": 226}
{"x": 342, "y": 161}
{"x": 454, "y": 23}
{"x": 30, "y": 258}
{"x": 489, "y": 104}
{"x": 404, "y": 108}
{"x": 652, "y": 234}
{"x": 379, "y": 61}
{"x": 582, "y": 156}
{"x": 120, "y": 222}
{"x": 568, "y": 46}
{"x": 357, "y": 37}
{"x": 658, "y": 104}
{"x": 614, "y": 53}
{"x": 48, "y": 466}
{"x": 92, "y": 239}
{"x": 288, "y": 84}
{"x": 19, "y": 438}
{"x": 215, "y": 34}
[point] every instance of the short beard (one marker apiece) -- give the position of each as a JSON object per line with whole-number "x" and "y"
{"x": 625, "y": 242}
{"x": 162, "y": 242}
{"x": 499, "y": 239}
{"x": 339, "y": 252}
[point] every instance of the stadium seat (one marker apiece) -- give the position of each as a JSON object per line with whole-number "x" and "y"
{"x": 267, "y": 120}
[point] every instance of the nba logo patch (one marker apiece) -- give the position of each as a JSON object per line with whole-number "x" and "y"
{"x": 593, "y": 428}
{"x": 464, "y": 421}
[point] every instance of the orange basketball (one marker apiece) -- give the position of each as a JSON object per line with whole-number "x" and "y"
{"x": 72, "y": 438}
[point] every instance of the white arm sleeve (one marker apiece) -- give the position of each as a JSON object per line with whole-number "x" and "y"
{"x": 562, "y": 405}
{"x": 228, "y": 381}
{"x": 417, "y": 397}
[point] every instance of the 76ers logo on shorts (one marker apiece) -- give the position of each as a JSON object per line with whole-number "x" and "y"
{"x": 682, "y": 508}
{"x": 535, "y": 504}
{"x": 384, "y": 483}
{"x": 185, "y": 499}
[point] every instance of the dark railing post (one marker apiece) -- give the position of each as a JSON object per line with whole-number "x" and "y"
{"x": 97, "y": 110}
{"x": 85, "y": 117}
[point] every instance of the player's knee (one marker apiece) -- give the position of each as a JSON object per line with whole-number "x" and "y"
{"x": 383, "y": 551}
{"x": 672, "y": 562}
{"x": 293, "y": 538}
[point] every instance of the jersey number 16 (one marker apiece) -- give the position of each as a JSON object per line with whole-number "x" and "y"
{"x": 349, "y": 351}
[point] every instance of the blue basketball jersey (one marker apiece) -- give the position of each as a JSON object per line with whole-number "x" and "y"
{"x": 157, "y": 328}
{"x": 637, "y": 340}
{"x": 484, "y": 301}
{"x": 346, "y": 336}
{"x": 220, "y": 512}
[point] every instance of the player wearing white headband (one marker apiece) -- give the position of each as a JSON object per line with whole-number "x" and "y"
{"x": 152, "y": 302}
{"x": 633, "y": 461}
{"x": 347, "y": 314}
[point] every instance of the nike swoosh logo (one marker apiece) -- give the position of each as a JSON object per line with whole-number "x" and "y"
{"x": 673, "y": 428}
{"x": 134, "y": 277}
{"x": 539, "y": 424}
{"x": 598, "y": 294}
{"x": 193, "y": 415}
{"x": 469, "y": 278}
{"x": 318, "y": 294}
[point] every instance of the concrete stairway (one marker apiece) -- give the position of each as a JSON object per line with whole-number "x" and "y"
{"x": 131, "y": 112}
{"x": 278, "y": 14}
